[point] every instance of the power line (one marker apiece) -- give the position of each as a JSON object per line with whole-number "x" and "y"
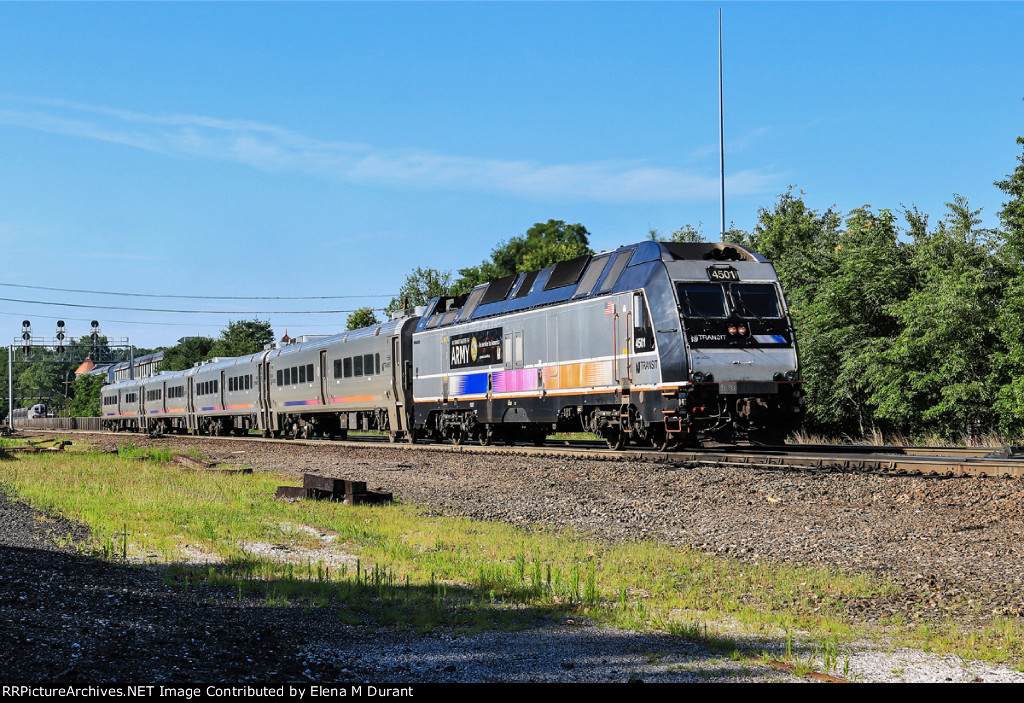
{"x": 188, "y": 312}
{"x": 166, "y": 324}
{"x": 199, "y": 297}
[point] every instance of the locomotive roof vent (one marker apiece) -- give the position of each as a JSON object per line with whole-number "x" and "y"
{"x": 709, "y": 251}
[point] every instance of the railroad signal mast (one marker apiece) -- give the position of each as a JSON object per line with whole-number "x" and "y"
{"x": 29, "y": 349}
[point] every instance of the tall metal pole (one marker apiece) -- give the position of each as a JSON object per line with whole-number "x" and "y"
{"x": 10, "y": 386}
{"x": 721, "y": 120}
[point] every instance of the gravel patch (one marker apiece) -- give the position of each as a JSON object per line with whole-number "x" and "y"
{"x": 953, "y": 545}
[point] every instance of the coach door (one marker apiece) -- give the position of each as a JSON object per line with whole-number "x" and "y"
{"x": 190, "y": 406}
{"x": 323, "y": 377}
{"x": 222, "y": 390}
{"x": 263, "y": 391}
{"x": 399, "y": 382}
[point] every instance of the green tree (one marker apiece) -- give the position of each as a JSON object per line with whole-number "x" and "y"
{"x": 363, "y": 317}
{"x": 420, "y": 286}
{"x": 935, "y": 375}
{"x": 185, "y": 355}
{"x": 686, "y": 233}
{"x": 543, "y": 244}
{"x": 87, "y": 393}
{"x": 1009, "y": 362}
{"x": 243, "y": 337}
{"x": 846, "y": 322}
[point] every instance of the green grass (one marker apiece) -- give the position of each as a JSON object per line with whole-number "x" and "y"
{"x": 412, "y": 569}
{"x": 874, "y": 437}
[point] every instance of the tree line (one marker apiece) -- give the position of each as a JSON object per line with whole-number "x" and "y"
{"x": 906, "y": 324}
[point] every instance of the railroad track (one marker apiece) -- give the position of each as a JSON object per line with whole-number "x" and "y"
{"x": 935, "y": 462}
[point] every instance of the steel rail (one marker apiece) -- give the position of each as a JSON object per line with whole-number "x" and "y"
{"x": 815, "y": 458}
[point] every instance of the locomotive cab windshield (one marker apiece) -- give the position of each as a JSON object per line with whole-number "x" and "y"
{"x": 757, "y": 300}
{"x": 720, "y": 300}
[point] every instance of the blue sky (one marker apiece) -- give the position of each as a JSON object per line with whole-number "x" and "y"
{"x": 326, "y": 149}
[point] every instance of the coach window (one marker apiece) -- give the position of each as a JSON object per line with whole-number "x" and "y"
{"x": 248, "y": 382}
{"x": 358, "y": 365}
{"x": 309, "y": 372}
{"x": 302, "y": 374}
{"x": 368, "y": 364}
{"x": 280, "y": 377}
{"x": 348, "y": 367}
{"x": 378, "y": 362}
{"x": 337, "y": 368}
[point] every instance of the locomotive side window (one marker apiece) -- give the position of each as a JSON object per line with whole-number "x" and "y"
{"x": 756, "y": 300}
{"x": 621, "y": 259}
{"x": 701, "y": 299}
{"x": 590, "y": 278}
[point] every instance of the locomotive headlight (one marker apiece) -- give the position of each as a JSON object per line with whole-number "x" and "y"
{"x": 792, "y": 375}
{"x": 742, "y": 329}
{"x": 732, "y": 330}
{"x": 697, "y": 376}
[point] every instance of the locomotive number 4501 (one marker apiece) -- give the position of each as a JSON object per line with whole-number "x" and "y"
{"x": 723, "y": 273}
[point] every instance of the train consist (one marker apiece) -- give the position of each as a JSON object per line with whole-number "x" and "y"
{"x": 664, "y": 344}
{"x": 39, "y": 410}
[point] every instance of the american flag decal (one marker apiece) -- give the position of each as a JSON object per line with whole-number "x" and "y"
{"x": 609, "y": 308}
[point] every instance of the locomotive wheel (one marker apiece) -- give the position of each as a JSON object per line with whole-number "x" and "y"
{"x": 486, "y": 436}
{"x": 410, "y": 436}
{"x": 614, "y": 438}
{"x": 662, "y": 440}
{"x": 393, "y": 437}
{"x": 539, "y": 439}
{"x": 511, "y": 436}
{"x": 457, "y": 436}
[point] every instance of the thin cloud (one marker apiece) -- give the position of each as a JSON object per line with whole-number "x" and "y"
{"x": 271, "y": 148}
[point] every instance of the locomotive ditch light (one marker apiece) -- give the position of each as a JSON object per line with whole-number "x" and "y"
{"x": 742, "y": 329}
{"x": 732, "y": 330}
{"x": 792, "y": 375}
